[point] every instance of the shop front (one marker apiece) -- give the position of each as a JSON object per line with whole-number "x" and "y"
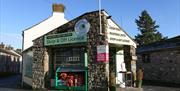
{"x": 68, "y": 59}
{"x": 71, "y": 73}
{"x": 77, "y": 56}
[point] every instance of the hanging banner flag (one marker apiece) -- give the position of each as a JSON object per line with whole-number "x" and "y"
{"x": 102, "y": 53}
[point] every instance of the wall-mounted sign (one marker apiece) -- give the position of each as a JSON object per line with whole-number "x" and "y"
{"x": 64, "y": 38}
{"x": 82, "y": 27}
{"x": 117, "y": 36}
{"x": 103, "y": 53}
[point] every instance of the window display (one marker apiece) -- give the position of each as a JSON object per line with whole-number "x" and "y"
{"x": 69, "y": 78}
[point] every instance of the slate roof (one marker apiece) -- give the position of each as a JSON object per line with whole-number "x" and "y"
{"x": 11, "y": 52}
{"x": 161, "y": 45}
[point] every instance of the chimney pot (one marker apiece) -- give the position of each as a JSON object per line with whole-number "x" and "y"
{"x": 58, "y": 8}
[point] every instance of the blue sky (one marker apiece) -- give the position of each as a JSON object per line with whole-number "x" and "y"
{"x": 18, "y": 15}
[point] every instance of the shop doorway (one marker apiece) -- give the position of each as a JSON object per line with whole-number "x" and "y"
{"x": 116, "y": 65}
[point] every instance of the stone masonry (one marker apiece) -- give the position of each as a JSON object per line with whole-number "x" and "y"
{"x": 163, "y": 60}
{"x": 38, "y": 64}
{"x": 163, "y": 67}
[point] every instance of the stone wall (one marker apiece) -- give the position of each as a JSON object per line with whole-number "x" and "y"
{"x": 163, "y": 65}
{"x": 98, "y": 72}
{"x": 38, "y": 64}
{"x": 130, "y": 61}
{"x": 129, "y": 51}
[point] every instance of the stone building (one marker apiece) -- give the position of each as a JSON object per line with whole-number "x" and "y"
{"x": 9, "y": 60}
{"x": 161, "y": 60}
{"x": 78, "y": 55}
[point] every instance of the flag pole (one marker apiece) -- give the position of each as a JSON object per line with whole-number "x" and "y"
{"x": 100, "y": 27}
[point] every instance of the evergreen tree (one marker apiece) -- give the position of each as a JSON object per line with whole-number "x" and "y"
{"x": 148, "y": 29}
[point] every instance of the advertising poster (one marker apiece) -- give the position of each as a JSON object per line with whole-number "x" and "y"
{"x": 103, "y": 53}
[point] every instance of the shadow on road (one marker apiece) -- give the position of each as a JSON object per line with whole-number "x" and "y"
{"x": 13, "y": 81}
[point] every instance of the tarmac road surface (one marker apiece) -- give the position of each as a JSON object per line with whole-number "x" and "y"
{"x": 13, "y": 84}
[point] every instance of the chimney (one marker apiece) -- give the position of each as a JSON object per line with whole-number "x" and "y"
{"x": 58, "y": 8}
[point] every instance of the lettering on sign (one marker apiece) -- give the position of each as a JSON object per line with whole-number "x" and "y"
{"x": 64, "y": 38}
{"x": 73, "y": 59}
{"x": 114, "y": 28}
{"x": 59, "y": 35}
{"x": 116, "y": 35}
{"x": 120, "y": 40}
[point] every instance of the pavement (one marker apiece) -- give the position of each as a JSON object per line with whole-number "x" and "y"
{"x": 145, "y": 88}
{"x": 160, "y": 88}
{"x": 149, "y": 88}
{"x": 13, "y": 84}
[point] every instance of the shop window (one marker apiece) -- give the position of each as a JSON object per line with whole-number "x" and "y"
{"x": 71, "y": 79}
{"x": 69, "y": 56}
{"x": 146, "y": 58}
{"x": 28, "y": 64}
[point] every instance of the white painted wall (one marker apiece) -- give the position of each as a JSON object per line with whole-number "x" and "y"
{"x": 120, "y": 66}
{"x": 56, "y": 20}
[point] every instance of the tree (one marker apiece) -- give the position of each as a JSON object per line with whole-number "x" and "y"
{"x": 148, "y": 29}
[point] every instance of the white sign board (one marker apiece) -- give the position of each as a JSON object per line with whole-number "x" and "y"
{"x": 103, "y": 53}
{"x": 118, "y": 36}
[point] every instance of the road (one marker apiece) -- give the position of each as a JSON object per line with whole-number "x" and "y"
{"x": 10, "y": 82}
{"x": 159, "y": 88}
{"x": 145, "y": 88}
{"x": 13, "y": 84}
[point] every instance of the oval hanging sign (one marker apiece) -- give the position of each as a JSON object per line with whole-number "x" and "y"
{"x": 82, "y": 27}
